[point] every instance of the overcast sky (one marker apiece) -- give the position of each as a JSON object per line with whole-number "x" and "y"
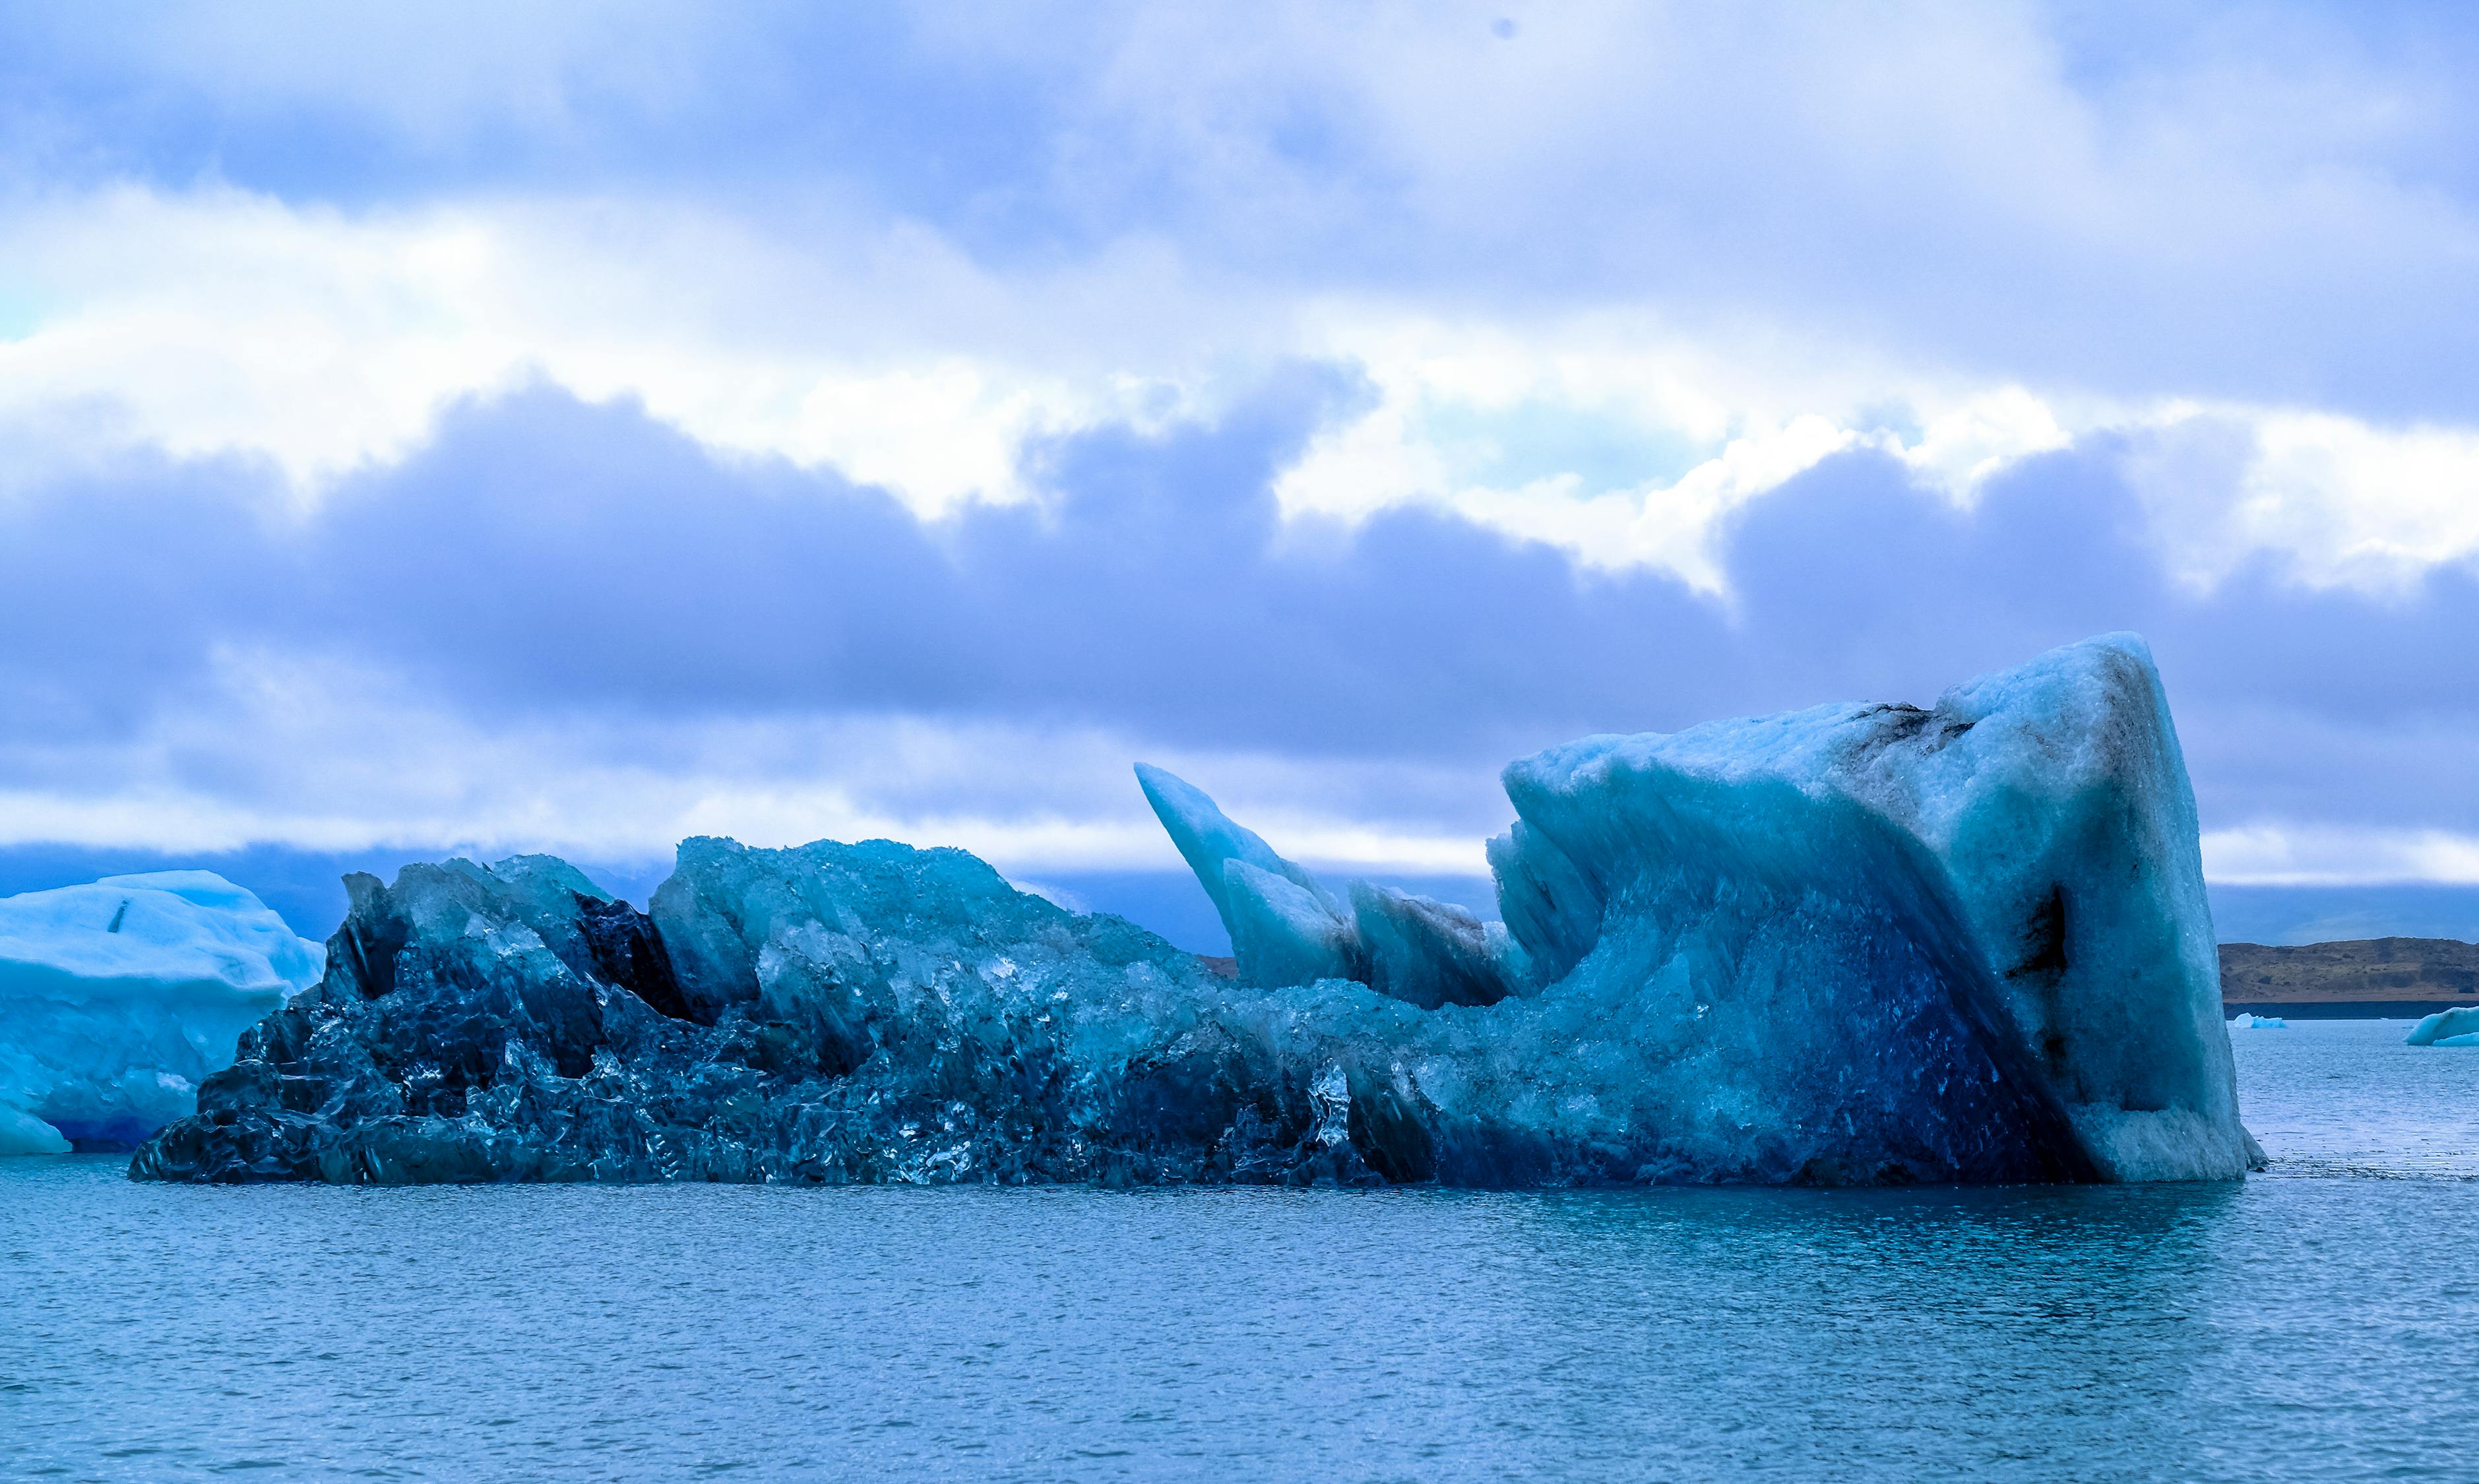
{"x": 536, "y": 427}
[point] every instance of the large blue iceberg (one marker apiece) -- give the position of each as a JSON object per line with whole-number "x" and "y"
{"x": 118, "y": 998}
{"x": 1856, "y": 944}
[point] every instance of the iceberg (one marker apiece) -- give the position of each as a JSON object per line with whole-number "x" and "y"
{"x": 2009, "y": 883}
{"x": 2457, "y": 1027}
{"x": 2245, "y": 1021}
{"x": 119, "y": 997}
{"x": 1855, "y": 944}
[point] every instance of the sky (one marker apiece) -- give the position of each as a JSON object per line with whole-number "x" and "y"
{"x": 488, "y": 428}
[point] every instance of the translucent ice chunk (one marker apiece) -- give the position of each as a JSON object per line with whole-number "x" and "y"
{"x": 1283, "y": 935}
{"x": 1430, "y": 952}
{"x": 118, "y": 998}
{"x": 2447, "y": 1028}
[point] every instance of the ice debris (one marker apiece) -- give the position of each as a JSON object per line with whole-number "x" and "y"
{"x": 2246, "y": 1021}
{"x": 1853, "y": 944}
{"x": 2457, "y": 1027}
{"x": 118, "y": 998}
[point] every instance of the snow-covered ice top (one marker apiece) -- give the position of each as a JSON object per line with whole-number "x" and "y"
{"x": 117, "y": 997}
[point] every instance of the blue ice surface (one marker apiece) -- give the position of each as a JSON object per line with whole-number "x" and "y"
{"x": 2013, "y": 874}
{"x": 2245, "y": 1021}
{"x": 1855, "y": 944}
{"x": 305, "y": 887}
{"x": 119, "y": 997}
{"x": 2457, "y": 1027}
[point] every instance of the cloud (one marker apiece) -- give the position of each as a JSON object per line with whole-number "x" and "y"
{"x": 217, "y": 322}
{"x": 565, "y": 624}
{"x": 2330, "y": 502}
{"x": 2274, "y": 856}
{"x": 1624, "y": 444}
{"x": 789, "y": 421}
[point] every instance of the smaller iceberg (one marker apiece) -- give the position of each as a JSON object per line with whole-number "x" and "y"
{"x": 2458, "y": 1026}
{"x": 118, "y": 998}
{"x": 2244, "y": 1021}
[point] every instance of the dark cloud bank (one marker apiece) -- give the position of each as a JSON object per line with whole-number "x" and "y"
{"x": 543, "y": 557}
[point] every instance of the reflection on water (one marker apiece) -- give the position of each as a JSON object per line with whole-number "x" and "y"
{"x": 2308, "y": 1323}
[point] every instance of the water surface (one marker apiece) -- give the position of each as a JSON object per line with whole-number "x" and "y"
{"x": 2316, "y": 1321}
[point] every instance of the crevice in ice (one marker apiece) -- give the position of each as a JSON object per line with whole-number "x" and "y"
{"x": 1903, "y": 722}
{"x": 373, "y": 936}
{"x": 628, "y": 951}
{"x": 2044, "y": 940}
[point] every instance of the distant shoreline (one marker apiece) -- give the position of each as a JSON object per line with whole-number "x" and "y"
{"x": 2361, "y": 979}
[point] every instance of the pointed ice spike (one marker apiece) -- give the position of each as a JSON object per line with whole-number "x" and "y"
{"x": 1206, "y": 837}
{"x": 1283, "y": 923}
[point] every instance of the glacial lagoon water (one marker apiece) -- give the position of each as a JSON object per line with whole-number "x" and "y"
{"x": 2320, "y": 1320}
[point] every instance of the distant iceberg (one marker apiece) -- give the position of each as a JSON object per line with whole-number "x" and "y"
{"x": 1856, "y": 944}
{"x": 118, "y": 998}
{"x": 2447, "y": 1028}
{"x": 2245, "y": 1021}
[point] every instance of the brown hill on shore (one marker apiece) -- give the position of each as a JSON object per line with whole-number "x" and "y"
{"x": 2391, "y": 970}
